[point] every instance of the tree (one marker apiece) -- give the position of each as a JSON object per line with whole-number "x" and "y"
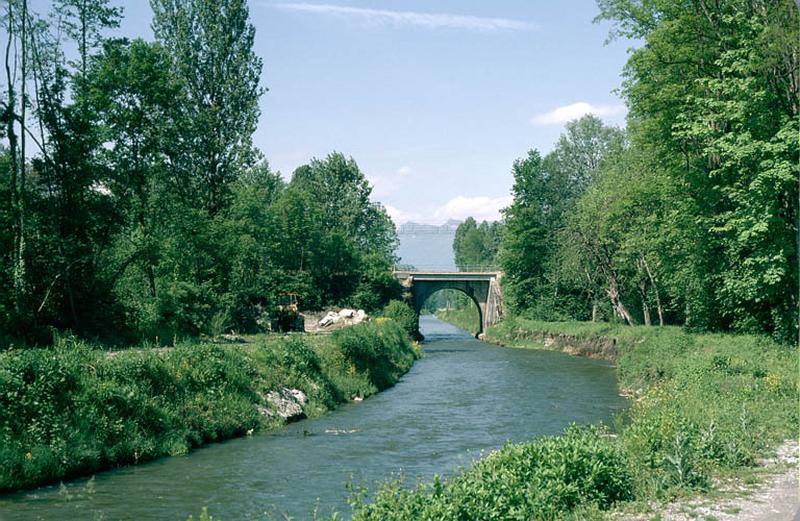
{"x": 84, "y": 22}
{"x": 545, "y": 193}
{"x": 525, "y": 239}
{"x": 342, "y": 193}
{"x": 475, "y": 245}
{"x": 714, "y": 93}
{"x": 211, "y": 43}
{"x": 131, "y": 90}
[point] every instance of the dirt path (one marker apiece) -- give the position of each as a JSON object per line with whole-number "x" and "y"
{"x": 776, "y": 498}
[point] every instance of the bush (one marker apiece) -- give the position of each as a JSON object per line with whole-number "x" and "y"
{"x": 541, "y": 480}
{"x": 402, "y": 313}
{"x": 382, "y": 350}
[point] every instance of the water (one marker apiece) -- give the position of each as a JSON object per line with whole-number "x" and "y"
{"x": 462, "y": 398}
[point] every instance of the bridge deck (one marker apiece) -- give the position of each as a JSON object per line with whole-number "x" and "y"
{"x": 445, "y": 275}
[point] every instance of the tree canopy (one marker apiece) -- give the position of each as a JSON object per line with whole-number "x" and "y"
{"x": 145, "y": 210}
{"x": 691, "y": 215}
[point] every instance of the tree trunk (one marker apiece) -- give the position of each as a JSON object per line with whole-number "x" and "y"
{"x": 625, "y": 314}
{"x": 19, "y": 268}
{"x": 645, "y": 307}
{"x": 655, "y": 291}
{"x": 619, "y": 308}
{"x": 10, "y": 118}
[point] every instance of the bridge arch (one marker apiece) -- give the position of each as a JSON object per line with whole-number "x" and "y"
{"x": 471, "y": 298}
{"x": 482, "y": 287}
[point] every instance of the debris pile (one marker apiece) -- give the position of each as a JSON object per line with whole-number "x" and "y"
{"x": 344, "y": 317}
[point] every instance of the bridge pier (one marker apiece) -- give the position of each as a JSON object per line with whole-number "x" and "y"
{"x": 482, "y": 287}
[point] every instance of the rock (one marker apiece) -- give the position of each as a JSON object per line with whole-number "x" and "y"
{"x": 287, "y": 403}
{"x": 347, "y": 313}
{"x": 359, "y": 317}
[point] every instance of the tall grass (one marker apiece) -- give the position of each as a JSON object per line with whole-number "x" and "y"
{"x": 71, "y": 410}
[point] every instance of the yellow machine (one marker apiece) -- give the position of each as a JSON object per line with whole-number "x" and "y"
{"x": 287, "y": 317}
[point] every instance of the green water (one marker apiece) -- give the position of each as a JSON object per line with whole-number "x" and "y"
{"x": 462, "y": 398}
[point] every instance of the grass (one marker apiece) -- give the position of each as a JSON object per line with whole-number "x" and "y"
{"x": 706, "y": 405}
{"x": 467, "y": 319}
{"x": 72, "y": 409}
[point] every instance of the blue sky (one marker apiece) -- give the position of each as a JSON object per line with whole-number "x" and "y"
{"x": 433, "y": 98}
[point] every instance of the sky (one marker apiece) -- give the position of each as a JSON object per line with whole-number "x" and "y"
{"x": 434, "y": 99}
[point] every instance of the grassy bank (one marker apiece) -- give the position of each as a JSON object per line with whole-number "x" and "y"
{"x": 706, "y": 406}
{"x": 467, "y": 319}
{"x": 71, "y": 410}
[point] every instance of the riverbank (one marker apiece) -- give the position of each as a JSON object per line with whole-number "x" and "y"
{"x": 707, "y": 408}
{"x": 466, "y": 319}
{"x": 72, "y": 410}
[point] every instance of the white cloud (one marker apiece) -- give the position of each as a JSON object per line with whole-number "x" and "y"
{"x": 426, "y": 20}
{"x": 397, "y": 215}
{"x": 569, "y": 112}
{"x": 384, "y": 185}
{"x": 459, "y": 208}
{"x": 481, "y": 208}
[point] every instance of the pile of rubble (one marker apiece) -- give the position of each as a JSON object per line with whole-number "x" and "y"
{"x": 345, "y": 317}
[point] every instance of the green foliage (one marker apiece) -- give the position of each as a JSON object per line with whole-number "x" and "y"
{"x": 717, "y": 119}
{"x": 402, "y": 313}
{"x": 541, "y": 480}
{"x": 537, "y": 277}
{"x": 466, "y": 318}
{"x": 705, "y": 403}
{"x": 691, "y": 216}
{"x": 71, "y": 410}
{"x": 475, "y": 245}
{"x": 353, "y": 252}
{"x": 147, "y": 212}
{"x": 378, "y": 349}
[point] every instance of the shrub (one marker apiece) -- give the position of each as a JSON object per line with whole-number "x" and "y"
{"x": 382, "y": 350}
{"x": 402, "y": 313}
{"x": 541, "y": 480}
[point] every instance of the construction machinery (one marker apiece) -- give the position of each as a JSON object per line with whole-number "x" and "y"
{"x": 286, "y": 316}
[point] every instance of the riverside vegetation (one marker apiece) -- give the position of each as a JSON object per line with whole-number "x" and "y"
{"x": 136, "y": 211}
{"x": 706, "y": 406}
{"x": 686, "y": 219}
{"x": 72, "y": 409}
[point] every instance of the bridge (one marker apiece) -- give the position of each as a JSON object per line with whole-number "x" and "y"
{"x": 483, "y": 287}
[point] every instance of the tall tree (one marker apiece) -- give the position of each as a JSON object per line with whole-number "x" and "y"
{"x": 211, "y": 43}
{"x": 525, "y": 239}
{"x": 714, "y": 92}
{"x": 135, "y": 98}
{"x": 342, "y": 193}
{"x": 545, "y": 193}
{"x": 475, "y": 245}
{"x": 84, "y": 22}
{"x": 10, "y": 117}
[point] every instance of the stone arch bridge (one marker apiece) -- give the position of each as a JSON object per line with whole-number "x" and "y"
{"x": 482, "y": 287}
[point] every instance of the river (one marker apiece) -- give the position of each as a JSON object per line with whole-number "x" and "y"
{"x": 462, "y": 398}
